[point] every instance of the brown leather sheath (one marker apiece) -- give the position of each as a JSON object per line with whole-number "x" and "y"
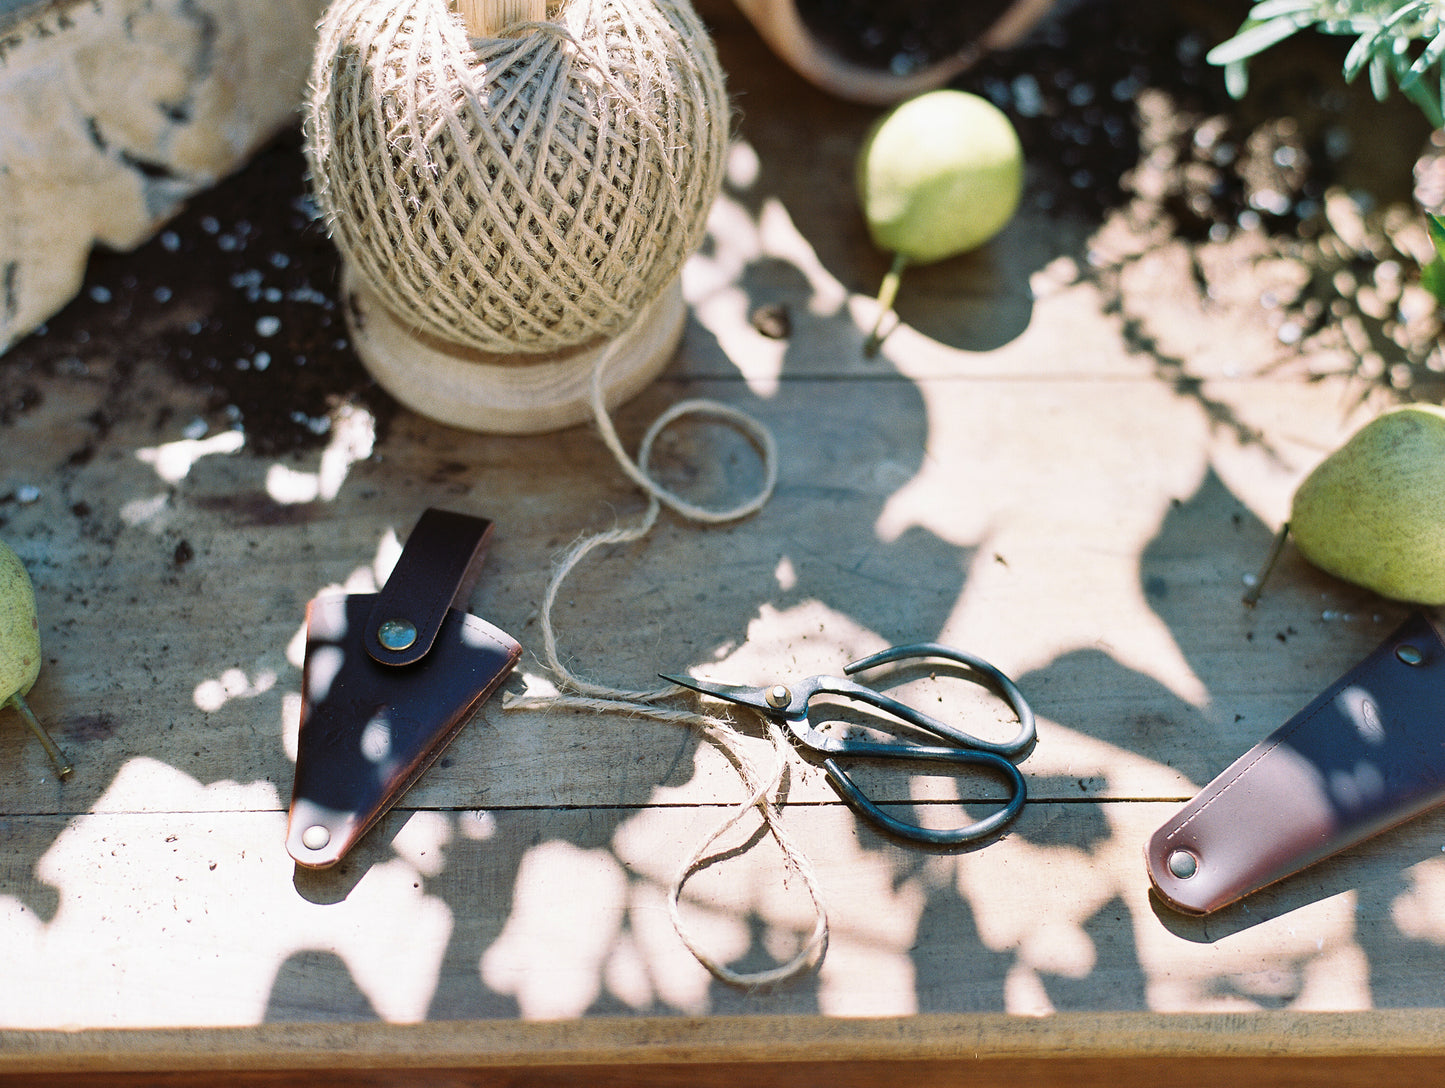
{"x": 1365, "y": 754}
{"x": 388, "y": 680}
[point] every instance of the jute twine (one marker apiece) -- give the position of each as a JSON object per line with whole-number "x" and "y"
{"x": 761, "y": 785}
{"x": 529, "y": 195}
{"x": 520, "y": 194}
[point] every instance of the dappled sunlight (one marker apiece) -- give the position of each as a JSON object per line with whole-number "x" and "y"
{"x": 809, "y": 637}
{"x": 863, "y": 979}
{"x": 1010, "y": 476}
{"x": 1311, "y": 961}
{"x": 718, "y": 902}
{"x": 144, "y": 784}
{"x": 1070, "y": 880}
{"x": 746, "y": 903}
{"x": 564, "y": 915}
{"x": 173, "y": 461}
{"x": 786, "y": 575}
{"x": 1025, "y": 993}
{"x": 211, "y": 695}
{"x": 873, "y": 925}
{"x": 1111, "y": 770}
{"x": 366, "y": 578}
{"x": 874, "y": 915}
{"x": 568, "y": 906}
{"x": 1112, "y": 495}
{"x": 742, "y": 239}
{"x": 1419, "y": 911}
{"x": 290, "y": 723}
{"x": 1247, "y": 957}
{"x": 150, "y": 510}
{"x": 655, "y": 968}
{"x": 168, "y": 905}
{"x": 1309, "y": 958}
{"x": 353, "y": 436}
{"x": 422, "y": 842}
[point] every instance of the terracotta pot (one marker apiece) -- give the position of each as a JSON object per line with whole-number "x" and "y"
{"x": 779, "y": 24}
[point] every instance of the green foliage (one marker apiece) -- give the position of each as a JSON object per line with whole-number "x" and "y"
{"x": 1432, "y": 275}
{"x": 1400, "y": 43}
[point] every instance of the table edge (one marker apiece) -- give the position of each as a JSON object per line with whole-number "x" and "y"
{"x": 702, "y": 1040}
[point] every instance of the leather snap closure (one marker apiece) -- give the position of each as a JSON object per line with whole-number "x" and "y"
{"x": 396, "y": 634}
{"x": 315, "y": 837}
{"x": 1183, "y": 864}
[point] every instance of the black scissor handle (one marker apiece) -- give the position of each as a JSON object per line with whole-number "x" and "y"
{"x": 994, "y": 678}
{"x": 980, "y": 829}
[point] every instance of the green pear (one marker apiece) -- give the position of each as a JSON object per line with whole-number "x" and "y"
{"x": 1373, "y": 512}
{"x": 20, "y": 648}
{"x": 938, "y": 175}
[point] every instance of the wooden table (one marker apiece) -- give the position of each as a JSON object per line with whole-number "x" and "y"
{"x": 1011, "y": 475}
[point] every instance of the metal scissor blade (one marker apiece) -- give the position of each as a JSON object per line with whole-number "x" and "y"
{"x": 734, "y": 693}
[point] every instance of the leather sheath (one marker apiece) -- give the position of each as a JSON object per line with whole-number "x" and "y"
{"x": 374, "y": 719}
{"x": 1367, "y": 753}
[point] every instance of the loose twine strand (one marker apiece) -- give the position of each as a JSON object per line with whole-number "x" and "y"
{"x": 550, "y": 238}
{"x": 762, "y": 785}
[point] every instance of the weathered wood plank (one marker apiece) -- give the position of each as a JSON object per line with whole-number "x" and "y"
{"x": 1194, "y": 1072}
{"x": 1031, "y": 470}
{"x": 946, "y": 520}
{"x": 197, "y": 919}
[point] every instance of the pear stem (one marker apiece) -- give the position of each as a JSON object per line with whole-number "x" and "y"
{"x": 62, "y": 765}
{"x": 887, "y": 293}
{"x": 1251, "y": 595}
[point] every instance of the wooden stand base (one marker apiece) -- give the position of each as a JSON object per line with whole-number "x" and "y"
{"x": 509, "y": 394}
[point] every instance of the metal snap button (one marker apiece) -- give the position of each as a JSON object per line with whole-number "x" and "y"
{"x": 315, "y": 837}
{"x": 1183, "y": 864}
{"x": 396, "y": 634}
{"x": 1410, "y": 655}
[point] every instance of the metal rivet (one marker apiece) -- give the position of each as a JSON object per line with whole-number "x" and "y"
{"x": 779, "y": 696}
{"x": 1183, "y": 864}
{"x": 1410, "y": 655}
{"x": 396, "y": 634}
{"x": 315, "y": 837}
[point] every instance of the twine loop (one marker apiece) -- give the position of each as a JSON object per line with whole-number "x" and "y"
{"x": 579, "y": 693}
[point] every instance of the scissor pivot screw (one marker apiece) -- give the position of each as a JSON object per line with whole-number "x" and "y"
{"x": 396, "y": 634}
{"x": 1183, "y": 864}
{"x": 779, "y": 696}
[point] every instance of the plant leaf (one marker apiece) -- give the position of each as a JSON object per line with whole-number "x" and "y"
{"x": 1432, "y": 278}
{"x": 1363, "y": 51}
{"x": 1424, "y": 62}
{"x": 1428, "y": 104}
{"x": 1254, "y": 38}
{"x": 1380, "y": 76}
{"x": 1377, "y": 35}
{"x": 1236, "y": 79}
{"x": 1435, "y": 225}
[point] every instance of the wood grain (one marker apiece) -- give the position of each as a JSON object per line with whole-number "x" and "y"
{"x": 1012, "y": 475}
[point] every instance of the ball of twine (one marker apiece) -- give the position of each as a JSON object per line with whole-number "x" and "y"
{"x": 525, "y": 194}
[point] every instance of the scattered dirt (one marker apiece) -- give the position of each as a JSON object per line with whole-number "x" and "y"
{"x": 237, "y": 297}
{"x": 1122, "y": 114}
{"x": 1122, "y": 118}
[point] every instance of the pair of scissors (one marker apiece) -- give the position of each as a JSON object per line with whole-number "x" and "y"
{"x": 788, "y": 704}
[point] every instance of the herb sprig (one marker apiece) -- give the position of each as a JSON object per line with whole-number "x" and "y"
{"x": 1399, "y": 43}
